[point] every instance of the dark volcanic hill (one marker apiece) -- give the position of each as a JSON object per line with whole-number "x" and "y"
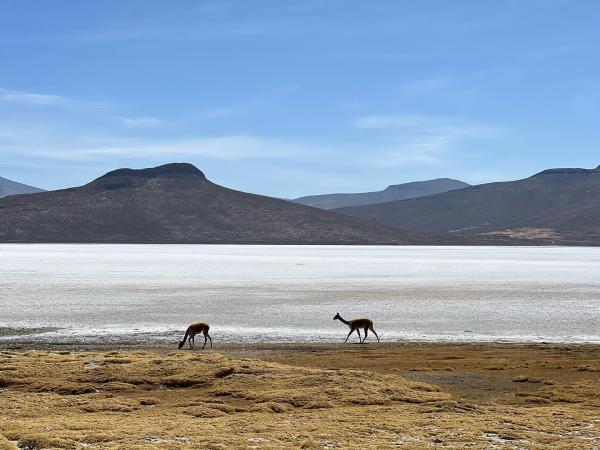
{"x": 9, "y": 187}
{"x": 175, "y": 203}
{"x": 391, "y": 193}
{"x": 556, "y": 205}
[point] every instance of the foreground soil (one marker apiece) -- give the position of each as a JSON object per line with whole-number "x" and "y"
{"x": 380, "y": 396}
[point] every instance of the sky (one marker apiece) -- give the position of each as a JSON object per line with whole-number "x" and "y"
{"x": 290, "y": 98}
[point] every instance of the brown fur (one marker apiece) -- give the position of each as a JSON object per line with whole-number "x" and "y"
{"x": 192, "y": 331}
{"x": 356, "y": 325}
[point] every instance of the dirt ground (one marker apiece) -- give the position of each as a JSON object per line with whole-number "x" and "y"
{"x": 404, "y": 395}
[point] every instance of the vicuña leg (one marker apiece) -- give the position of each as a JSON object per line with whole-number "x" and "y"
{"x": 371, "y": 328}
{"x": 366, "y": 333}
{"x": 351, "y": 331}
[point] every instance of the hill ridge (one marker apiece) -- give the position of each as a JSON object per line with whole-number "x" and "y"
{"x": 553, "y": 206}
{"x": 178, "y": 204}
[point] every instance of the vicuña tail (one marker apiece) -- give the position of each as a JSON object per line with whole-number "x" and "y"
{"x": 187, "y": 332}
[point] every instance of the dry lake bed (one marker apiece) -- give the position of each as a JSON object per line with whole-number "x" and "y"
{"x": 149, "y": 293}
{"x": 482, "y": 347}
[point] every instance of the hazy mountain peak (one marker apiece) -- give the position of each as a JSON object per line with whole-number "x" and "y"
{"x": 393, "y": 192}
{"x": 568, "y": 171}
{"x": 447, "y": 182}
{"x": 9, "y": 187}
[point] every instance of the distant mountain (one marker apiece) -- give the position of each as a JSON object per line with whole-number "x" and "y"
{"x": 175, "y": 203}
{"x": 8, "y": 187}
{"x": 391, "y": 193}
{"x": 559, "y": 206}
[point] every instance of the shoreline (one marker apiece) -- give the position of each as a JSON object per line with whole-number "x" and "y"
{"x": 26, "y": 342}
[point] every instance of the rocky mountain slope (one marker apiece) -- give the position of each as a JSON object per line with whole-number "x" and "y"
{"x": 175, "y": 203}
{"x": 560, "y": 206}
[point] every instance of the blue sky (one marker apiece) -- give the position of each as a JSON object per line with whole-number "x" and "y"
{"x": 288, "y": 98}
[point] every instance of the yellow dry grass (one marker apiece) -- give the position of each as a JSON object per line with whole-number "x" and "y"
{"x": 147, "y": 399}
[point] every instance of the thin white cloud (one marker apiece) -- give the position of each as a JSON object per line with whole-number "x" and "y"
{"x": 229, "y": 147}
{"x": 392, "y": 141}
{"x": 141, "y": 122}
{"x": 392, "y": 121}
{"x": 154, "y": 122}
{"x": 416, "y": 123}
{"x": 34, "y": 99}
{"x": 224, "y": 148}
{"x": 414, "y": 152}
{"x": 418, "y": 140}
{"x": 30, "y": 98}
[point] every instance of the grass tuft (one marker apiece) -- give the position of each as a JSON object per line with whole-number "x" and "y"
{"x": 225, "y": 372}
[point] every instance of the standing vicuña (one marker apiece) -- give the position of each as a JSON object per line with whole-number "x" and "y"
{"x": 356, "y": 325}
{"x": 192, "y": 331}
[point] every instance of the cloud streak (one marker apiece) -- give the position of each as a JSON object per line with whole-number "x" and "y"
{"x": 420, "y": 124}
{"x": 417, "y": 140}
{"x": 33, "y": 99}
{"x": 223, "y": 148}
{"x": 391, "y": 121}
{"x": 400, "y": 141}
{"x": 141, "y": 122}
{"x": 424, "y": 123}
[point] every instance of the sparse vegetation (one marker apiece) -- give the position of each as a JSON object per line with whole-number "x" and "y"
{"x": 311, "y": 399}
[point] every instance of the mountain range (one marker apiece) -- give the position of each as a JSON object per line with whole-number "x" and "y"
{"x": 560, "y": 206}
{"x": 391, "y": 193}
{"x": 9, "y": 187}
{"x": 176, "y": 203}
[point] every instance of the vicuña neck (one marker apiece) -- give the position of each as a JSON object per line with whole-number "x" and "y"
{"x": 344, "y": 321}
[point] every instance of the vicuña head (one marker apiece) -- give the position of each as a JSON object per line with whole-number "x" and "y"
{"x": 192, "y": 331}
{"x": 356, "y": 325}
